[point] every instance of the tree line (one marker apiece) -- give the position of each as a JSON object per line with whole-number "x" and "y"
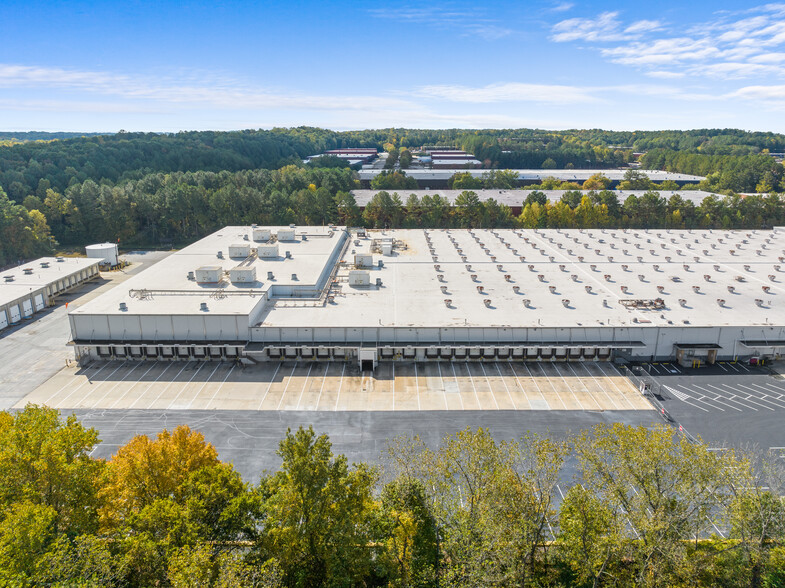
{"x": 176, "y": 208}
{"x": 645, "y": 508}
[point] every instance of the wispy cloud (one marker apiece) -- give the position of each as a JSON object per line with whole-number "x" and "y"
{"x": 730, "y": 45}
{"x": 563, "y": 7}
{"x": 510, "y": 92}
{"x": 466, "y": 22}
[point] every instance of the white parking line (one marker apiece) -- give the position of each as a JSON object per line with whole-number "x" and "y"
{"x": 683, "y": 397}
{"x": 580, "y": 381}
{"x": 723, "y": 368}
{"x": 654, "y": 367}
{"x": 393, "y": 384}
{"x": 611, "y": 379}
{"x": 601, "y": 387}
{"x": 525, "y": 395}
{"x": 734, "y": 368}
{"x": 324, "y": 379}
{"x": 270, "y": 385}
{"x": 417, "y": 385}
{"x": 544, "y": 375}
{"x": 302, "y": 391}
{"x": 702, "y": 396}
{"x": 444, "y": 388}
{"x": 115, "y": 386}
{"x": 340, "y": 385}
{"x": 457, "y": 386}
{"x": 285, "y": 388}
{"x": 130, "y": 388}
{"x": 749, "y": 396}
{"x": 471, "y": 379}
{"x": 733, "y": 397}
{"x": 169, "y": 383}
{"x": 489, "y": 386}
{"x": 171, "y": 404}
{"x": 218, "y": 389}
{"x": 138, "y": 398}
{"x": 502, "y": 378}
{"x": 48, "y": 401}
{"x": 742, "y": 366}
{"x": 88, "y": 380}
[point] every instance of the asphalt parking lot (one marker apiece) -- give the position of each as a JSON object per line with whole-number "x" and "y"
{"x": 725, "y": 404}
{"x": 339, "y": 386}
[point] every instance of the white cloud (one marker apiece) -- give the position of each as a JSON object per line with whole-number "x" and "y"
{"x": 510, "y": 92}
{"x": 643, "y": 26}
{"x": 729, "y": 46}
{"x": 605, "y": 27}
{"x": 666, "y": 75}
{"x": 472, "y": 23}
{"x": 563, "y": 7}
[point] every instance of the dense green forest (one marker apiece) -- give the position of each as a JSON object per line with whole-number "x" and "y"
{"x": 147, "y": 189}
{"x": 645, "y": 508}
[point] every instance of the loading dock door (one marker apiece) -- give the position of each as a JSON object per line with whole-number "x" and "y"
{"x": 3, "y": 319}
{"x": 16, "y": 316}
{"x": 27, "y": 308}
{"x": 39, "y": 302}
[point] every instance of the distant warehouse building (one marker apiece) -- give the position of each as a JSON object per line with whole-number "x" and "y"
{"x": 29, "y": 288}
{"x": 314, "y": 293}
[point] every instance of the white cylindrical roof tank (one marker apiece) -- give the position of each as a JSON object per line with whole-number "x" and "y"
{"x": 106, "y": 251}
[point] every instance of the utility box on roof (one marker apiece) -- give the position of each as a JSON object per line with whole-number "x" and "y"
{"x": 243, "y": 275}
{"x": 285, "y": 234}
{"x": 267, "y": 251}
{"x": 208, "y": 274}
{"x": 260, "y": 235}
{"x": 239, "y": 250}
{"x": 363, "y": 260}
{"x": 359, "y": 278}
{"x": 387, "y": 248}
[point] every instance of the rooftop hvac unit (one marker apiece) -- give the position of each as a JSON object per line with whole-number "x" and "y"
{"x": 208, "y": 274}
{"x": 243, "y": 275}
{"x": 359, "y": 278}
{"x": 261, "y": 235}
{"x": 267, "y": 251}
{"x": 241, "y": 250}
{"x": 363, "y": 260}
{"x": 285, "y": 234}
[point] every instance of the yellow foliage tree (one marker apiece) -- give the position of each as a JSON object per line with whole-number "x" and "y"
{"x": 145, "y": 470}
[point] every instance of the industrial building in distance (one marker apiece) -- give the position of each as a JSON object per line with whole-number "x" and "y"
{"x": 516, "y": 198}
{"x": 31, "y": 287}
{"x": 438, "y": 178}
{"x": 327, "y": 293}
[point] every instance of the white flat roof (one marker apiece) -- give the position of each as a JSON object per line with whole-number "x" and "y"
{"x": 41, "y": 277}
{"x": 516, "y": 197}
{"x": 586, "y": 275}
{"x": 578, "y": 175}
{"x": 172, "y": 292}
{"x": 411, "y": 293}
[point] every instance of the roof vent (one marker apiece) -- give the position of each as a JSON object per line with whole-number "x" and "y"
{"x": 610, "y": 258}
{"x": 500, "y": 267}
{"x": 759, "y": 302}
{"x": 531, "y": 268}
{"x": 9, "y": 278}
{"x": 656, "y": 267}
{"x": 28, "y": 271}
{"x": 203, "y": 306}
{"x": 765, "y": 288}
{"x": 731, "y": 289}
{"x": 682, "y": 302}
{"x": 507, "y": 278}
{"x": 468, "y": 267}
{"x": 245, "y": 237}
{"x": 294, "y": 277}
{"x": 707, "y": 277}
{"x": 574, "y": 277}
{"x": 607, "y": 277}
{"x": 696, "y": 289}
{"x": 625, "y": 267}
{"x": 516, "y": 289}
{"x": 220, "y": 254}
{"x": 474, "y": 277}
{"x": 440, "y": 277}
{"x": 660, "y": 289}
{"x": 552, "y": 289}
{"x": 588, "y": 289}
{"x": 668, "y": 259}
{"x": 686, "y": 267}
{"x": 448, "y": 302}
{"x": 487, "y": 302}
{"x": 561, "y": 267}
{"x": 541, "y": 277}
{"x": 593, "y": 267}
{"x": 776, "y": 268}
{"x": 46, "y": 264}
{"x": 191, "y": 276}
{"x": 641, "y": 277}
{"x": 526, "y": 302}
{"x": 123, "y": 306}
{"x": 270, "y": 276}
{"x": 565, "y": 302}
{"x": 481, "y": 289}
{"x": 746, "y": 268}
{"x": 444, "y": 289}
{"x": 624, "y": 289}
{"x": 437, "y": 267}
{"x": 720, "y": 301}
{"x": 288, "y": 254}
{"x": 60, "y": 259}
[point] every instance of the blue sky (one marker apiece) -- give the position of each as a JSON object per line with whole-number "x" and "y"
{"x": 70, "y": 65}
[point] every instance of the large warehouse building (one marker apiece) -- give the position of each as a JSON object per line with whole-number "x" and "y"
{"x": 270, "y": 293}
{"x": 29, "y": 288}
{"x": 322, "y": 293}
